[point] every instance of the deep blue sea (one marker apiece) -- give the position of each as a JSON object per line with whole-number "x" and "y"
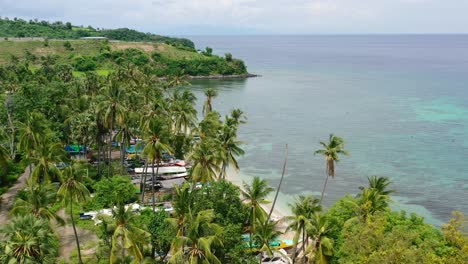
{"x": 399, "y": 101}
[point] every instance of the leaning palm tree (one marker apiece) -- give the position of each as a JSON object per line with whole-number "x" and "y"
{"x": 200, "y": 235}
{"x": 38, "y": 201}
{"x": 256, "y": 194}
{"x": 322, "y": 247}
{"x": 332, "y": 151}
{"x": 27, "y": 239}
{"x": 127, "y": 237}
{"x": 156, "y": 146}
{"x": 303, "y": 210}
{"x": 210, "y": 93}
{"x": 73, "y": 190}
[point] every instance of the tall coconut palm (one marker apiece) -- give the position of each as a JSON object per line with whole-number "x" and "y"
{"x": 112, "y": 108}
{"x": 205, "y": 161}
{"x": 182, "y": 203}
{"x": 46, "y": 155}
{"x": 303, "y": 210}
{"x": 184, "y": 114}
{"x": 127, "y": 237}
{"x": 124, "y": 135}
{"x": 157, "y": 134}
{"x": 331, "y": 151}
{"x": 255, "y": 194}
{"x": 210, "y": 93}
{"x": 73, "y": 190}
{"x": 38, "y": 201}
{"x": 31, "y": 133}
{"x": 200, "y": 235}
{"x": 27, "y": 239}
{"x": 229, "y": 149}
{"x": 322, "y": 248}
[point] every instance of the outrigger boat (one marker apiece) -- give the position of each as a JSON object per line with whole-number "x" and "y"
{"x": 276, "y": 244}
{"x": 166, "y": 172}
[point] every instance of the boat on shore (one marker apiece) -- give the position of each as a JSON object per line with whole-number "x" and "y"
{"x": 164, "y": 172}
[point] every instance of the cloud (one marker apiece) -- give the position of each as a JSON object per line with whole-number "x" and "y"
{"x": 251, "y": 16}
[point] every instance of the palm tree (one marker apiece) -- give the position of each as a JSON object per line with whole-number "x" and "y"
{"x": 38, "y": 201}
{"x": 370, "y": 201}
{"x": 229, "y": 149}
{"x": 256, "y": 194}
{"x": 237, "y": 118}
{"x": 31, "y": 133}
{"x": 303, "y": 210}
{"x": 182, "y": 203}
{"x": 379, "y": 184}
{"x": 46, "y": 155}
{"x": 124, "y": 135}
{"x": 205, "y": 162}
{"x": 265, "y": 233}
{"x": 200, "y": 235}
{"x": 210, "y": 93}
{"x": 155, "y": 147}
{"x": 322, "y": 249}
{"x": 331, "y": 150}
{"x": 184, "y": 114}
{"x": 27, "y": 239}
{"x": 127, "y": 237}
{"x": 178, "y": 79}
{"x": 111, "y": 108}
{"x": 73, "y": 190}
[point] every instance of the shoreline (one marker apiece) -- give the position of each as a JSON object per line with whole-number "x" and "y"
{"x": 223, "y": 77}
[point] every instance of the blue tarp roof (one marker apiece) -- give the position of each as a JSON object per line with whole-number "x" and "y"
{"x": 133, "y": 150}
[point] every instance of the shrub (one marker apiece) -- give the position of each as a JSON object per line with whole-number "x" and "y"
{"x": 84, "y": 63}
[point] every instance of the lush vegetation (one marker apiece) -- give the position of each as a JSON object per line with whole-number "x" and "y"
{"x": 47, "y": 107}
{"x": 20, "y": 28}
{"x": 156, "y": 55}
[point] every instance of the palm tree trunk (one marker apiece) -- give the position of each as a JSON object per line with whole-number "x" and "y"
{"x": 294, "y": 252}
{"x": 143, "y": 182}
{"x": 323, "y": 190}
{"x": 152, "y": 182}
{"x": 98, "y": 154}
{"x": 123, "y": 249}
{"x": 279, "y": 185}
{"x": 222, "y": 173}
{"x": 303, "y": 240}
{"x": 74, "y": 230}
{"x": 109, "y": 145}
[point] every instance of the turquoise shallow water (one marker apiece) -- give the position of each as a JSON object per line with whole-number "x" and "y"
{"x": 400, "y": 102}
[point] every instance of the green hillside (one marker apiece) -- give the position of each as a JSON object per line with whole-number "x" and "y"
{"x": 19, "y": 28}
{"x": 103, "y": 56}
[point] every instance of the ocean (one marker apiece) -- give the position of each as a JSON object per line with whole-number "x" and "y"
{"x": 399, "y": 101}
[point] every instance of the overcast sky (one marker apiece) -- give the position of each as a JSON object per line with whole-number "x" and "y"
{"x": 212, "y": 17}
